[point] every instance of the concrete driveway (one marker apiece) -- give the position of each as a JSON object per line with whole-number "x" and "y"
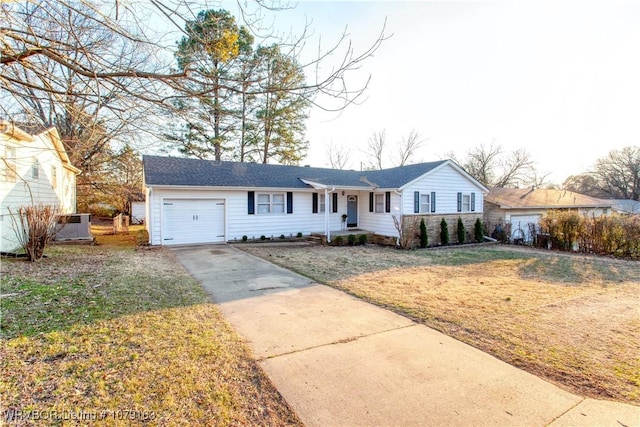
{"x": 339, "y": 361}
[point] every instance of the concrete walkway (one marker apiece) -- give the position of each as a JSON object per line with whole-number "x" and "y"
{"x": 339, "y": 361}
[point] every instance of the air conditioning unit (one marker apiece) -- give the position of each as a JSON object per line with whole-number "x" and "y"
{"x": 74, "y": 227}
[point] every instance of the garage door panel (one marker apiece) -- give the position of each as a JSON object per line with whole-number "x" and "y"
{"x": 187, "y": 221}
{"x": 520, "y": 226}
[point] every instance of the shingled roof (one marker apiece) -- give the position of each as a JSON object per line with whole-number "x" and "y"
{"x": 517, "y": 198}
{"x": 174, "y": 171}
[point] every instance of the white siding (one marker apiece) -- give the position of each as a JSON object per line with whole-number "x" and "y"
{"x": 239, "y": 223}
{"x": 378, "y": 222}
{"x": 446, "y": 182}
{"x": 28, "y": 189}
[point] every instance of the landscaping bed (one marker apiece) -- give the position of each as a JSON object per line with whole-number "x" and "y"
{"x": 123, "y": 335}
{"x": 567, "y": 318}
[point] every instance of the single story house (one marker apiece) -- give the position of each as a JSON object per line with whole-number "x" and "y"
{"x": 200, "y": 201}
{"x": 35, "y": 168}
{"x": 522, "y": 207}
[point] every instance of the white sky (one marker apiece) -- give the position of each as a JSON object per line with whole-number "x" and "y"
{"x": 560, "y": 79}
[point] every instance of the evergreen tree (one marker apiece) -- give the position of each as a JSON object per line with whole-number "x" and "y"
{"x": 460, "y": 231}
{"x": 424, "y": 238}
{"x": 478, "y": 231}
{"x": 444, "y": 232}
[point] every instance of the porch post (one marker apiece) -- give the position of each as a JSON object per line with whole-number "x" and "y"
{"x": 327, "y": 232}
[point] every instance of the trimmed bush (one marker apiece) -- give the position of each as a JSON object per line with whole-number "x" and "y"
{"x": 351, "y": 238}
{"x": 263, "y": 237}
{"x": 444, "y": 232}
{"x": 244, "y": 238}
{"x": 424, "y": 237}
{"x": 478, "y": 231}
{"x": 460, "y": 231}
{"x": 299, "y": 234}
{"x": 362, "y": 239}
{"x": 338, "y": 241}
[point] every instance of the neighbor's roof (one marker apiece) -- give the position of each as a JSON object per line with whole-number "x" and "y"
{"x": 518, "y": 198}
{"x": 626, "y": 205}
{"x": 173, "y": 171}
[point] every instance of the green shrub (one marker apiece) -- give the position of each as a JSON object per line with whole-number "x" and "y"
{"x": 142, "y": 237}
{"x": 244, "y": 238}
{"x": 460, "y": 231}
{"x": 282, "y": 236}
{"x": 444, "y": 232}
{"x": 478, "y": 231}
{"x": 351, "y": 238}
{"x": 299, "y": 234}
{"x": 362, "y": 239}
{"x": 424, "y": 237}
{"x": 263, "y": 237}
{"x": 338, "y": 240}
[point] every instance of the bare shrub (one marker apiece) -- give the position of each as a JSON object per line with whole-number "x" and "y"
{"x": 408, "y": 229}
{"x": 35, "y": 226}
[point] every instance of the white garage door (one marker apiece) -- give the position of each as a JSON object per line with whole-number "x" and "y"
{"x": 187, "y": 221}
{"x": 520, "y": 226}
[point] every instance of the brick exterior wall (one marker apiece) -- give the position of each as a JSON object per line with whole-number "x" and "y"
{"x": 433, "y": 226}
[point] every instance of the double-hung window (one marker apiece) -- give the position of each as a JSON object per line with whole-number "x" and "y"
{"x": 321, "y": 203}
{"x": 379, "y": 203}
{"x": 425, "y": 203}
{"x": 466, "y": 203}
{"x": 271, "y": 203}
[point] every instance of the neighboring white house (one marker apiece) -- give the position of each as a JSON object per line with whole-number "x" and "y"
{"x": 199, "y": 201}
{"x": 35, "y": 168}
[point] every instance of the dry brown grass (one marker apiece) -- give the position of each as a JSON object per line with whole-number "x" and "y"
{"x": 574, "y": 320}
{"x": 124, "y": 334}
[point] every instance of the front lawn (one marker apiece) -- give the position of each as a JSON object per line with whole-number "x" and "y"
{"x": 123, "y": 335}
{"x": 571, "y": 319}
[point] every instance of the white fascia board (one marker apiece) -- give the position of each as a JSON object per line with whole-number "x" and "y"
{"x": 212, "y": 188}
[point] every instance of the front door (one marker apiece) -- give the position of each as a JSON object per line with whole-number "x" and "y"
{"x": 352, "y": 211}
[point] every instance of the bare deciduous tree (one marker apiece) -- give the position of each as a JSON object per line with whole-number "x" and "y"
{"x": 408, "y": 146}
{"x": 494, "y": 167}
{"x": 375, "y": 149}
{"x": 615, "y": 176}
{"x": 338, "y": 155}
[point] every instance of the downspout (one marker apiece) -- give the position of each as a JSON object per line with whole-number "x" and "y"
{"x": 327, "y": 232}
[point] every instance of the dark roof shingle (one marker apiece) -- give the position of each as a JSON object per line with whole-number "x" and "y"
{"x": 174, "y": 171}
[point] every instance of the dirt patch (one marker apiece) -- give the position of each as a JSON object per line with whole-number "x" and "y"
{"x": 571, "y": 319}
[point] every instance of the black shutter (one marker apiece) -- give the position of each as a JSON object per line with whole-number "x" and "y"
{"x": 433, "y": 201}
{"x": 289, "y": 202}
{"x": 473, "y": 202}
{"x": 334, "y": 203}
{"x": 387, "y": 201}
{"x": 251, "y": 202}
{"x": 370, "y": 202}
{"x": 314, "y": 203}
{"x": 459, "y": 202}
{"x": 416, "y": 202}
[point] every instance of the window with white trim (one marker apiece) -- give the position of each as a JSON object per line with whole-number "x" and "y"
{"x": 466, "y": 203}
{"x": 425, "y": 203}
{"x": 379, "y": 203}
{"x": 271, "y": 203}
{"x": 9, "y": 164}
{"x": 54, "y": 177}
{"x": 321, "y": 203}
{"x": 35, "y": 169}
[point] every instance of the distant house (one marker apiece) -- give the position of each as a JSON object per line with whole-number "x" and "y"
{"x": 626, "y": 206}
{"x": 35, "y": 168}
{"x": 199, "y": 201}
{"x": 521, "y": 207}
{"x": 137, "y": 208}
